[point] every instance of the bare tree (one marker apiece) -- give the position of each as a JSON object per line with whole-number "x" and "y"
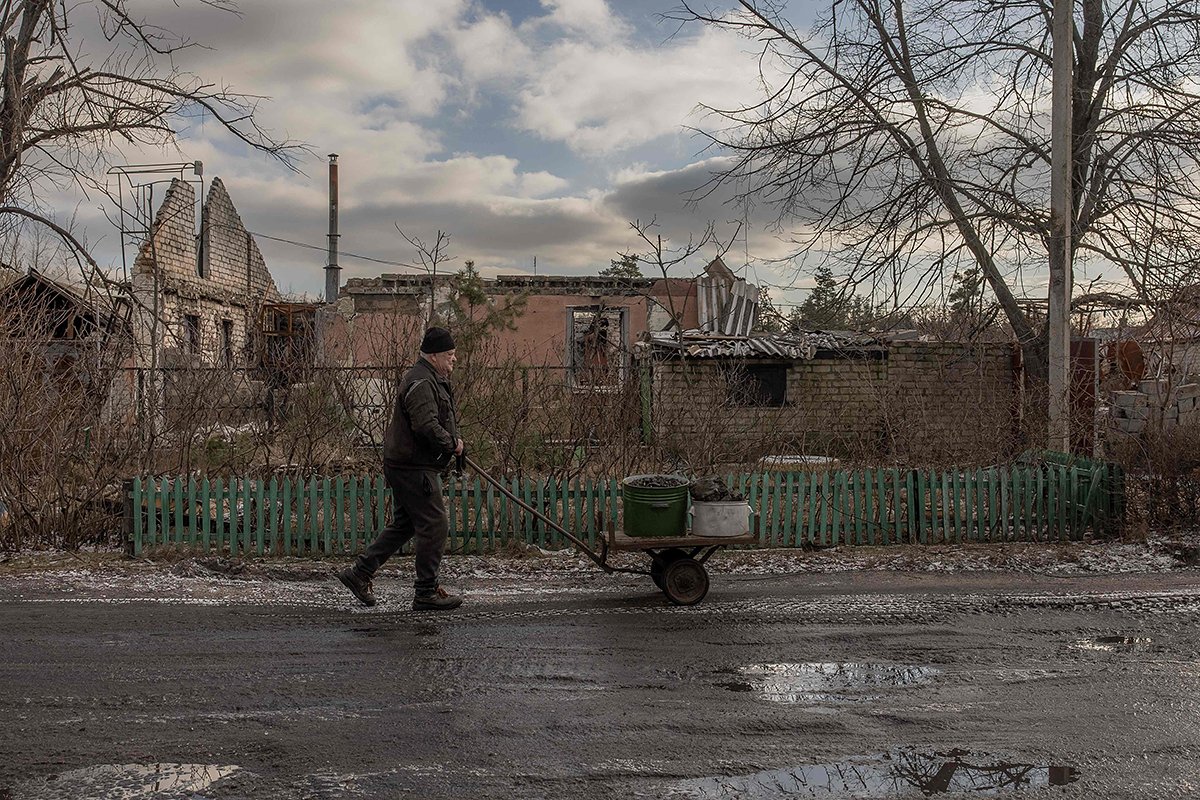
{"x": 910, "y": 140}
{"x": 62, "y": 449}
{"x": 662, "y": 256}
{"x": 430, "y": 256}
{"x": 79, "y": 77}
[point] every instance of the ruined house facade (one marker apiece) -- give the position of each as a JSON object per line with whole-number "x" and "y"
{"x": 200, "y": 282}
{"x": 1171, "y": 339}
{"x": 74, "y": 334}
{"x": 585, "y": 326}
{"x": 201, "y": 294}
{"x": 697, "y": 385}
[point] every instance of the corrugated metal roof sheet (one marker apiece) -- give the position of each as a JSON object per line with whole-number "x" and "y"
{"x": 727, "y": 307}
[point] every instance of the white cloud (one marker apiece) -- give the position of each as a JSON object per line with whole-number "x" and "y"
{"x": 302, "y": 46}
{"x": 540, "y": 184}
{"x": 463, "y": 178}
{"x": 602, "y": 98}
{"x": 591, "y": 18}
{"x": 377, "y": 82}
{"x": 490, "y": 49}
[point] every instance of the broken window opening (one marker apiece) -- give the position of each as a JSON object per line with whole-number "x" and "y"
{"x": 227, "y": 342}
{"x": 597, "y": 357}
{"x": 287, "y": 336}
{"x": 758, "y": 385}
{"x": 191, "y": 334}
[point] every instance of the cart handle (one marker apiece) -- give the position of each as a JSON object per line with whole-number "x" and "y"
{"x": 579, "y": 545}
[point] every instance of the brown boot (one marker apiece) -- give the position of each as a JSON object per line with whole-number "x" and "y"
{"x": 437, "y": 600}
{"x": 359, "y": 586}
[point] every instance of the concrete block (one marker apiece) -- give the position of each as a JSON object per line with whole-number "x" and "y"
{"x": 1156, "y": 387}
{"x": 1130, "y": 399}
{"x": 1143, "y": 413}
{"x": 1131, "y": 425}
{"x": 1188, "y": 391}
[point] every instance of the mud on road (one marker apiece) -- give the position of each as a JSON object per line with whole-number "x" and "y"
{"x": 185, "y": 681}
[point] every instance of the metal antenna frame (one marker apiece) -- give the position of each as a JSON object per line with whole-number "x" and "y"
{"x": 136, "y": 221}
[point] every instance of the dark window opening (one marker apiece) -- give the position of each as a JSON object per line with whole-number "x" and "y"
{"x": 759, "y": 385}
{"x": 202, "y": 243}
{"x": 227, "y": 342}
{"x": 286, "y": 335}
{"x": 191, "y": 333}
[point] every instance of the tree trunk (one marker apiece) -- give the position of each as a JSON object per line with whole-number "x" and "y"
{"x": 1035, "y": 355}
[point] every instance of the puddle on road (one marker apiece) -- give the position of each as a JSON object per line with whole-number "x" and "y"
{"x": 898, "y": 773}
{"x": 818, "y": 682}
{"x": 123, "y": 781}
{"x": 396, "y": 631}
{"x": 1115, "y": 644}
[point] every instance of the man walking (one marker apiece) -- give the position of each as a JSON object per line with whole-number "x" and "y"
{"x": 419, "y": 444}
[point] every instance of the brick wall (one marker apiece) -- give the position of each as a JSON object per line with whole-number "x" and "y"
{"x": 214, "y": 273}
{"x": 951, "y": 402}
{"x": 232, "y": 259}
{"x": 918, "y": 402}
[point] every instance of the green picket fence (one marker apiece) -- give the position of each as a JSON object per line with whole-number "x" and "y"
{"x": 1048, "y": 499}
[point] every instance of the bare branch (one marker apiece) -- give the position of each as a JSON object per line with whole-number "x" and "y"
{"x": 902, "y": 141}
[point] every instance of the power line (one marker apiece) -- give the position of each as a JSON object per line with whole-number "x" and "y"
{"x": 325, "y": 249}
{"x": 747, "y": 266}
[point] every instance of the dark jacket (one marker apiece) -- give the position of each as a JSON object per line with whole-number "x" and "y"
{"x": 424, "y": 427}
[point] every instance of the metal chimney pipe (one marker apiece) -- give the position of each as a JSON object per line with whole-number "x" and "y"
{"x": 333, "y": 273}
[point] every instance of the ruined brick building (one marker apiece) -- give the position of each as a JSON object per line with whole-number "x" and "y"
{"x": 200, "y": 283}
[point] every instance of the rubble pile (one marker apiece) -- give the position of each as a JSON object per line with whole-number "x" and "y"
{"x": 1156, "y": 403}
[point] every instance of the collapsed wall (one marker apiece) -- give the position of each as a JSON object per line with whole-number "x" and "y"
{"x": 1154, "y": 406}
{"x": 199, "y": 283}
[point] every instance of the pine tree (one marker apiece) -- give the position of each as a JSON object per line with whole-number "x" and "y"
{"x": 769, "y": 318}
{"x": 966, "y": 293}
{"x": 829, "y": 307}
{"x": 624, "y": 267}
{"x": 473, "y": 316}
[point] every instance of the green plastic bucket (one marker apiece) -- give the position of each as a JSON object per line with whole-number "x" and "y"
{"x": 655, "y": 510}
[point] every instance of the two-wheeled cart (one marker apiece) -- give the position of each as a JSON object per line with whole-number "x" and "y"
{"x": 676, "y": 563}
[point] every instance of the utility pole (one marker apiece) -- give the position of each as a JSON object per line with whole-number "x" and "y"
{"x": 1061, "y": 215}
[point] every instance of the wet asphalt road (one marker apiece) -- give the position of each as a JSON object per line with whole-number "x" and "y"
{"x": 850, "y": 685}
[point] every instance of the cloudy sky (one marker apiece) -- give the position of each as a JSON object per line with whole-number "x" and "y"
{"x": 523, "y": 128}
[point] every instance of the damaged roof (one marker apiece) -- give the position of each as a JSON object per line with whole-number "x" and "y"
{"x": 803, "y": 345}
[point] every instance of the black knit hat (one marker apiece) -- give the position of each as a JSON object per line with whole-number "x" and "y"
{"x": 437, "y": 340}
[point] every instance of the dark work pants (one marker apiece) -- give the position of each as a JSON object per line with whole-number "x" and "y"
{"x": 419, "y": 512}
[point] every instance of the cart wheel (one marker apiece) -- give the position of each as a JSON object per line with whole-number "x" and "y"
{"x": 660, "y": 561}
{"x": 685, "y": 581}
